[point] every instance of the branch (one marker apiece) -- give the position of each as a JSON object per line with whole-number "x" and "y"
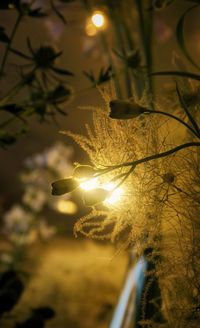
{"x": 155, "y": 156}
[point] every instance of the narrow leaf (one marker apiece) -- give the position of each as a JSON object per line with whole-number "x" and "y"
{"x": 180, "y": 36}
{"x": 3, "y": 36}
{"x": 62, "y": 71}
{"x": 58, "y": 13}
{"x": 184, "y": 106}
{"x": 176, "y": 73}
{"x": 19, "y": 53}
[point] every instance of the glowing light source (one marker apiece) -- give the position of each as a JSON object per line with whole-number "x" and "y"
{"x": 89, "y": 184}
{"x": 94, "y": 183}
{"x": 116, "y": 194}
{"x": 97, "y": 22}
{"x": 98, "y": 19}
{"x": 66, "y": 206}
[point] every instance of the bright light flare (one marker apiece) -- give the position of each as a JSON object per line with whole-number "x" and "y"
{"x": 98, "y": 19}
{"x": 115, "y": 195}
{"x": 89, "y": 184}
{"x": 94, "y": 183}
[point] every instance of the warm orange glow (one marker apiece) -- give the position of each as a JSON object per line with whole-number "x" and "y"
{"x": 98, "y": 19}
{"x": 94, "y": 183}
{"x": 89, "y": 184}
{"x": 66, "y": 206}
{"x": 116, "y": 194}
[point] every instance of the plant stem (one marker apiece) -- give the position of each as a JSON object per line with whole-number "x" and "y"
{"x": 5, "y": 57}
{"x": 146, "y": 43}
{"x": 120, "y": 44}
{"x": 155, "y": 156}
{"x": 175, "y": 118}
{"x": 107, "y": 50}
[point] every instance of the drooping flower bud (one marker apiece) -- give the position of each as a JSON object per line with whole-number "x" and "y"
{"x": 63, "y": 186}
{"x": 124, "y": 110}
{"x": 83, "y": 171}
{"x": 95, "y": 196}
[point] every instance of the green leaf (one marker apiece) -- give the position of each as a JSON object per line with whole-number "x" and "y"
{"x": 177, "y": 73}
{"x": 3, "y": 36}
{"x": 184, "y": 106}
{"x": 180, "y": 36}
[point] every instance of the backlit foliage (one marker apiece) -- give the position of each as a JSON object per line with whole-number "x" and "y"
{"x": 158, "y": 209}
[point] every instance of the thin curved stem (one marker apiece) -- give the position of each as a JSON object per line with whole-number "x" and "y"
{"x": 155, "y": 156}
{"x": 5, "y": 57}
{"x": 175, "y": 118}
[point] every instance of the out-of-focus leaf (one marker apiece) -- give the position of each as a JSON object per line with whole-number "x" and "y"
{"x": 184, "y": 106}
{"x": 180, "y": 36}
{"x": 103, "y": 76}
{"x": 37, "y": 13}
{"x": 62, "y": 71}
{"x": 13, "y": 109}
{"x": 7, "y": 139}
{"x": 11, "y": 288}
{"x": 45, "y": 56}
{"x": 44, "y": 312}
{"x": 19, "y": 53}
{"x": 59, "y": 94}
{"x": 176, "y": 73}
{"x": 160, "y": 4}
{"x": 3, "y": 36}
{"x": 57, "y": 12}
{"x": 37, "y": 318}
{"x": 132, "y": 60}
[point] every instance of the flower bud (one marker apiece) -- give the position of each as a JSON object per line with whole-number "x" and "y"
{"x": 95, "y": 196}
{"x": 124, "y": 110}
{"x": 63, "y": 186}
{"x": 83, "y": 171}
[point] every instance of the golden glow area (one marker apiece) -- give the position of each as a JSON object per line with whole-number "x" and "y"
{"x": 95, "y": 23}
{"x": 93, "y": 183}
{"x": 116, "y": 194}
{"x": 66, "y": 206}
{"x": 89, "y": 184}
{"x": 90, "y": 29}
{"x": 98, "y": 19}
